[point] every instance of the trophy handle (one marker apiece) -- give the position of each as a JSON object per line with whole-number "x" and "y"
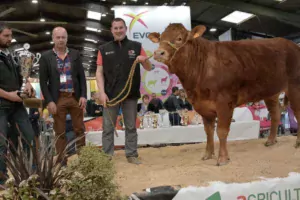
{"x": 36, "y": 59}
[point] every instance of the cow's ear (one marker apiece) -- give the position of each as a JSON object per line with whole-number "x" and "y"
{"x": 154, "y": 37}
{"x": 198, "y": 31}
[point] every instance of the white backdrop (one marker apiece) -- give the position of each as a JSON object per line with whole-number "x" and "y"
{"x": 142, "y": 20}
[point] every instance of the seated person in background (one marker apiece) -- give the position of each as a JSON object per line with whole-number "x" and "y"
{"x": 183, "y": 102}
{"x": 172, "y": 106}
{"x": 92, "y": 108}
{"x": 155, "y": 104}
{"x": 144, "y": 105}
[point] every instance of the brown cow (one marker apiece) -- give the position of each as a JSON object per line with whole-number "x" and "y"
{"x": 219, "y": 76}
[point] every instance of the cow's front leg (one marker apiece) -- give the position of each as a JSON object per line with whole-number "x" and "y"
{"x": 224, "y": 113}
{"x": 209, "y": 127}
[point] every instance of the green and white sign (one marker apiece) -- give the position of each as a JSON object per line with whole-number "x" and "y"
{"x": 269, "y": 189}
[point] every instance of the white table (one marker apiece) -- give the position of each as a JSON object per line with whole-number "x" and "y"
{"x": 242, "y": 130}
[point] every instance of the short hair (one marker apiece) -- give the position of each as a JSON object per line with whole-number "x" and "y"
{"x": 3, "y": 26}
{"x": 174, "y": 89}
{"x": 146, "y": 96}
{"x": 118, "y": 19}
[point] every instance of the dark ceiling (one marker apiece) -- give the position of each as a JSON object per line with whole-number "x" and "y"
{"x": 272, "y": 19}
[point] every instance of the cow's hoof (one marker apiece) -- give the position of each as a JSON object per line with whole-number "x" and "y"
{"x": 297, "y": 145}
{"x": 208, "y": 156}
{"x": 270, "y": 143}
{"x": 222, "y": 162}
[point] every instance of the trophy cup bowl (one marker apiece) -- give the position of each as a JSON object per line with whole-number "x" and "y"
{"x": 27, "y": 60}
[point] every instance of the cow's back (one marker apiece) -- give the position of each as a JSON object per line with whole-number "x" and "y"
{"x": 257, "y": 69}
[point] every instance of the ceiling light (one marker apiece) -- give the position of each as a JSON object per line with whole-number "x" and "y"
{"x": 112, "y": 8}
{"x": 90, "y": 40}
{"x": 13, "y": 40}
{"x": 88, "y": 49}
{"x": 146, "y": 3}
{"x": 280, "y": 1}
{"x": 86, "y": 64}
{"x": 92, "y": 29}
{"x": 103, "y": 15}
{"x": 134, "y": 0}
{"x": 213, "y": 30}
{"x": 237, "y": 17}
{"x": 51, "y": 42}
{"x": 34, "y": 1}
{"x": 183, "y": 4}
{"x": 90, "y": 61}
{"x": 103, "y": 0}
{"x": 42, "y": 20}
{"x": 124, "y": 3}
{"x": 48, "y": 33}
{"x": 93, "y": 15}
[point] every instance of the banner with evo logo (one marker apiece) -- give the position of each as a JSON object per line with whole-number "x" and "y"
{"x": 141, "y": 21}
{"x": 268, "y": 189}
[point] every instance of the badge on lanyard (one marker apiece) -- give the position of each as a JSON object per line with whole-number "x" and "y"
{"x": 63, "y": 78}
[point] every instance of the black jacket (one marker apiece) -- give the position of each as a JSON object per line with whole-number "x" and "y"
{"x": 50, "y": 77}
{"x": 117, "y": 62}
{"x": 185, "y": 105}
{"x": 10, "y": 78}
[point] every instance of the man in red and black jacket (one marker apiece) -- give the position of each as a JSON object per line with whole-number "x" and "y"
{"x": 113, "y": 66}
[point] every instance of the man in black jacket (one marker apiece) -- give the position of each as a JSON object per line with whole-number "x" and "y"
{"x": 113, "y": 66}
{"x": 11, "y": 106}
{"x": 172, "y": 106}
{"x": 63, "y": 85}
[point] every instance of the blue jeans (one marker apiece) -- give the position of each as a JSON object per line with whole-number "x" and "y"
{"x": 15, "y": 114}
{"x": 129, "y": 110}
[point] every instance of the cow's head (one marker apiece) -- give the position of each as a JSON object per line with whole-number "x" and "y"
{"x": 174, "y": 36}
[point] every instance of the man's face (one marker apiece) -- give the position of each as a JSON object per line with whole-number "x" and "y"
{"x": 153, "y": 96}
{"x": 118, "y": 30}
{"x": 60, "y": 37}
{"x": 5, "y": 38}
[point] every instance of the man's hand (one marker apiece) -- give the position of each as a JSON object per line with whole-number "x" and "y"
{"x": 141, "y": 59}
{"x": 13, "y": 96}
{"x": 82, "y": 102}
{"x": 102, "y": 98}
{"x": 29, "y": 89}
{"x": 52, "y": 108}
{"x": 144, "y": 60}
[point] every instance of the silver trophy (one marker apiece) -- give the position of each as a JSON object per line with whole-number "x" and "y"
{"x": 26, "y": 60}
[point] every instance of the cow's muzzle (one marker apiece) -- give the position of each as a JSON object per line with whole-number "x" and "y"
{"x": 160, "y": 54}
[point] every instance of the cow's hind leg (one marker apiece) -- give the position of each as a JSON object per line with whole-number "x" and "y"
{"x": 272, "y": 104}
{"x": 209, "y": 127}
{"x": 294, "y": 98}
{"x": 224, "y": 113}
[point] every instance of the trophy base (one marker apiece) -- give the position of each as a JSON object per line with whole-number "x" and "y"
{"x": 33, "y": 103}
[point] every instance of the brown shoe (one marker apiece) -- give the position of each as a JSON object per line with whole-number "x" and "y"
{"x": 134, "y": 160}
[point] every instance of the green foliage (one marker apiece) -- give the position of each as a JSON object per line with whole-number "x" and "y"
{"x": 93, "y": 176}
{"x": 88, "y": 177}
